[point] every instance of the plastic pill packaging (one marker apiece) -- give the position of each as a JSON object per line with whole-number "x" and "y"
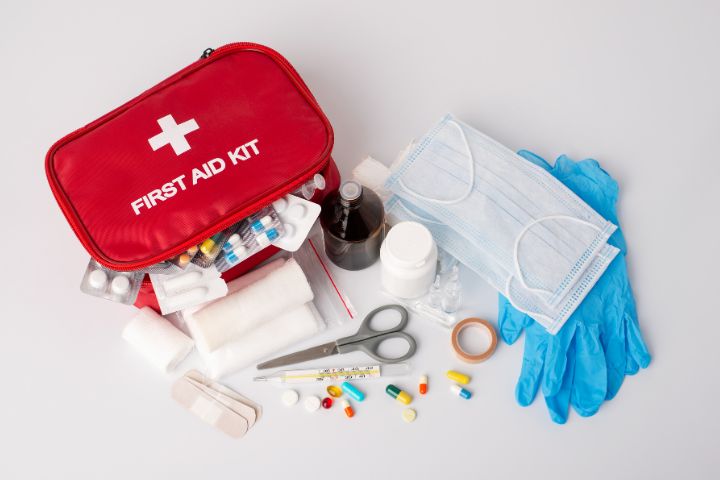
{"x": 105, "y": 283}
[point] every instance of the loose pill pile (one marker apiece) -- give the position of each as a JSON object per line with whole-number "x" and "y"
{"x": 335, "y": 393}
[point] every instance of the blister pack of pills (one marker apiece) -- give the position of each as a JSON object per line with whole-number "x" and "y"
{"x": 210, "y": 249}
{"x": 183, "y": 260}
{"x": 254, "y": 233}
{"x": 117, "y": 286}
{"x": 297, "y": 216}
{"x": 165, "y": 268}
{"x": 187, "y": 288}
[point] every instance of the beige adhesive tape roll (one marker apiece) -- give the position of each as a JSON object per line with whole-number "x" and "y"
{"x": 477, "y": 323}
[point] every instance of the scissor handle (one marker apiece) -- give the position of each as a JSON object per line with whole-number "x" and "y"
{"x": 368, "y": 340}
{"x": 366, "y": 330}
{"x": 371, "y": 346}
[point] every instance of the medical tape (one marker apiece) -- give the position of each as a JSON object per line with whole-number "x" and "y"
{"x": 473, "y": 357}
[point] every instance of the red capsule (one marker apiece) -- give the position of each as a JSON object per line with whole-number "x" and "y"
{"x": 327, "y": 402}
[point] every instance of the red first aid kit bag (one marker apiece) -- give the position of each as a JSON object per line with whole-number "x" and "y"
{"x": 198, "y": 152}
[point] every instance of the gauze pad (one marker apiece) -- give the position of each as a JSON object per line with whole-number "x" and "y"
{"x": 236, "y": 314}
{"x": 157, "y": 339}
{"x": 263, "y": 340}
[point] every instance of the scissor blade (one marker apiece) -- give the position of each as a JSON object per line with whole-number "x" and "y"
{"x": 311, "y": 353}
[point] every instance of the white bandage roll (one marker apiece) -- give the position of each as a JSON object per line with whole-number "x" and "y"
{"x": 231, "y": 317}
{"x": 158, "y": 340}
{"x": 272, "y": 336}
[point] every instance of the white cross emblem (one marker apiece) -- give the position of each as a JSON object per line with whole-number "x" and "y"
{"x": 173, "y": 134}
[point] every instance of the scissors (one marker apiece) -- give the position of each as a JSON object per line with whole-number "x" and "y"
{"x": 367, "y": 340}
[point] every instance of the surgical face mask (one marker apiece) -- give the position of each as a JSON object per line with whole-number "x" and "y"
{"x": 552, "y": 318}
{"x": 532, "y": 236}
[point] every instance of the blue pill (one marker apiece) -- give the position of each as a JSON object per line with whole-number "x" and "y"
{"x": 352, "y": 391}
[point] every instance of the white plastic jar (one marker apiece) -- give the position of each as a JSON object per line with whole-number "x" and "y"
{"x": 409, "y": 259}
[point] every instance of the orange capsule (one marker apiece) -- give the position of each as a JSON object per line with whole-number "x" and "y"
{"x": 423, "y": 387}
{"x": 348, "y": 409}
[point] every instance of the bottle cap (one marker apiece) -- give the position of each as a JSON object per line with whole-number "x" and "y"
{"x": 409, "y": 244}
{"x": 350, "y": 190}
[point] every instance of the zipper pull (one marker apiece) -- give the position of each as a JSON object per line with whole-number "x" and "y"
{"x": 207, "y": 52}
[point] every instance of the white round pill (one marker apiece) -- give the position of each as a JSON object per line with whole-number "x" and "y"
{"x": 312, "y": 403}
{"x": 280, "y": 205}
{"x": 97, "y": 279}
{"x": 290, "y": 397}
{"x": 297, "y": 211}
{"x": 409, "y": 415}
{"x": 120, "y": 285}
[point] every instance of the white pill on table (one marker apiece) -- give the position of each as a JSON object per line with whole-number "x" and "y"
{"x": 120, "y": 285}
{"x": 312, "y": 403}
{"x": 97, "y": 279}
{"x": 290, "y": 397}
{"x": 409, "y": 415}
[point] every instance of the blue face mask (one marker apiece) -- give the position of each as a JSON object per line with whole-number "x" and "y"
{"x": 510, "y": 221}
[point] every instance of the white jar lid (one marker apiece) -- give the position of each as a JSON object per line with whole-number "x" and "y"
{"x": 409, "y": 244}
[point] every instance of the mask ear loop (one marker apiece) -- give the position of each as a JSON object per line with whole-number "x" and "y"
{"x": 548, "y": 322}
{"x": 516, "y": 249}
{"x": 471, "y": 169}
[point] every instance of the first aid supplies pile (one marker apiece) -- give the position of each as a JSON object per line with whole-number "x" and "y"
{"x": 211, "y": 202}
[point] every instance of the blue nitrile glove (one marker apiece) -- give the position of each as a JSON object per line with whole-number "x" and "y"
{"x": 586, "y": 362}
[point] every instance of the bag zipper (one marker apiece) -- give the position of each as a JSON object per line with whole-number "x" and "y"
{"x": 232, "y": 219}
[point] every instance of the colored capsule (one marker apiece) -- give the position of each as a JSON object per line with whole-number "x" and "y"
{"x": 239, "y": 253}
{"x": 460, "y": 392}
{"x": 399, "y": 395}
{"x": 183, "y": 259}
{"x": 352, "y": 391}
{"x": 208, "y": 245}
{"x": 348, "y": 409}
{"x": 423, "y": 386}
{"x": 327, "y": 402}
{"x": 259, "y": 225}
{"x": 334, "y": 391}
{"x": 458, "y": 377}
{"x": 265, "y": 238}
{"x": 231, "y": 242}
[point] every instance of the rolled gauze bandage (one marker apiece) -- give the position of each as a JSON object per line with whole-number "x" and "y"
{"x": 187, "y": 315}
{"x": 264, "y": 340}
{"x": 157, "y": 339}
{"x": 229, "y": 318}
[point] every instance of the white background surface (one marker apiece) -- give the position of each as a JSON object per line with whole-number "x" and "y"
{"x": 634, "y": 84}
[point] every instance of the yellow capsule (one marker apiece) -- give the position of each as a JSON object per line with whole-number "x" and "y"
{"x": 458, "y": 377}
{"x": 404, "y": 398}
{"x": 207, "y": 246}
{"x": 334, "y": 391}
{"x": 400, "y": 395}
